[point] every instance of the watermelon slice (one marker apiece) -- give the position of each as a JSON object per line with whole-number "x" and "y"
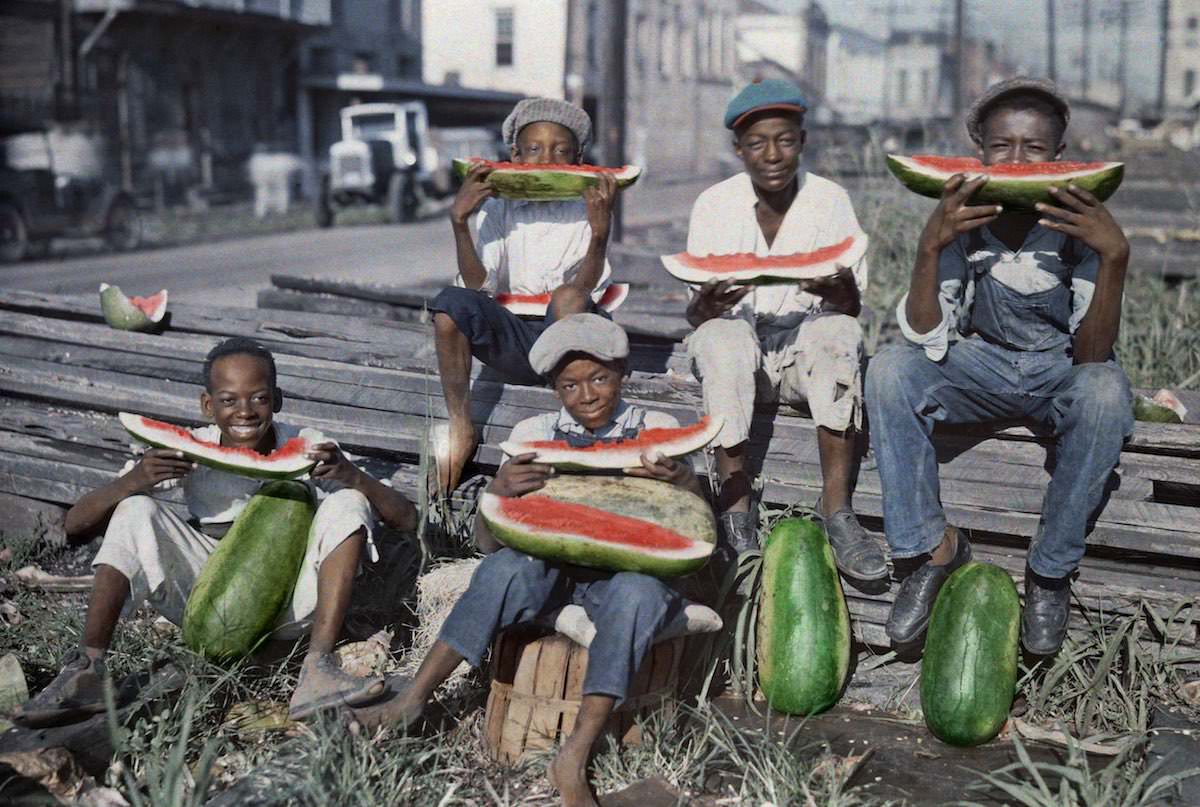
{"x": 549, "y": 182}
{"x": 286, "y": 462}
{"x": 535, "y": 305}
{"x": 749, "y": 269}
{"x": 621, "y": 454}
{"x": 132, "y": 313}
{"x": 613, "y": 523}
{"x": 1014, "y": 185}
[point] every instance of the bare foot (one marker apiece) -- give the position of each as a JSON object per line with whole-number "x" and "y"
{"x": 568, "y": 773}
{"x": 454, "y": 456}
{"x": 399, "y": 711}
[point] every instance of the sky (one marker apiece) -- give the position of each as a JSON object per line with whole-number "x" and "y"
{"x": 1018, "y": 27}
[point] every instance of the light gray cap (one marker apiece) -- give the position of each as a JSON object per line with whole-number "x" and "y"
{"x": 583, "y": 333}
{"x": 1020, "y": 85}
{"x": 552, "y": 110}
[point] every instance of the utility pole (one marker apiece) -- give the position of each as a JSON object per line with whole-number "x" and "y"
{"x": 960, "y": 62}
{"x": 1164, "y": 32}
{"x": 1051, "y": 45}
{"x": 612, "y": 98}
{"x": 1087, "y": 48}
{"x": 66, "y": 55}
{"x": 1123, "y": 56}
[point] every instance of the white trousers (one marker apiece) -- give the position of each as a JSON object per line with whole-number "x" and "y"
{"x": 162, "y": 554}
{"x": 818, "y": 362}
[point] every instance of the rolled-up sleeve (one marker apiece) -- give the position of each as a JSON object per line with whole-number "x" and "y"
{"x": 952, "y": 274}
{"x": 1083, "y": 286}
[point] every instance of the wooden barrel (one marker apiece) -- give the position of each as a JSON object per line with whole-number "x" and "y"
{"x": 537, "y": 683}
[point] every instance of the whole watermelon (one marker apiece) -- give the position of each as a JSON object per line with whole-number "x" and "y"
{"x": 247, "y": 582}
{"x": 803, "y": 625}
{"x": 969, "y": 672}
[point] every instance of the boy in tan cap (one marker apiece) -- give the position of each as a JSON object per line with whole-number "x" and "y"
{"x": 521, "y": 247}
{"x": 584, "y": 358}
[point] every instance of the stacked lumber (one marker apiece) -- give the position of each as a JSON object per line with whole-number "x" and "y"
{"x": 372, "y": 385}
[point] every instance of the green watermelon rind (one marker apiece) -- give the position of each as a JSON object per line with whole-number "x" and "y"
{"x": 122, "y": 314}
{"x": 1015, "y": 194}
{"x": 803, "y": 643}
{"x": 969, "y": 670}
{"x": 247, "y": 583}
{"x": 679, "y": 510}
{"x": 132, "y": 424}
{"x": 543, "y": 186}
{"x": 1147, "y": 410}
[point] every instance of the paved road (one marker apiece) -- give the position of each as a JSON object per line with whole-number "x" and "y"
{"x": 230, "y": 272}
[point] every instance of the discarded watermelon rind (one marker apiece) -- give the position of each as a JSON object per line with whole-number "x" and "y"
{"x": 535, "y": 305}
{"x": 611, "y": 523}
{"x": 132, "y": 313}
{"x": 1148, "y": 410}
{"x": 287, "y": 462}
{"x": 1017, "y": 186}
{"x": 745, "y": 268}
{"x": 546, "y": 183}
{"x": 620, "y": 454}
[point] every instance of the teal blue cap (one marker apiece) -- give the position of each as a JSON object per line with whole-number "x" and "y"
{"x": 771, "y": 93}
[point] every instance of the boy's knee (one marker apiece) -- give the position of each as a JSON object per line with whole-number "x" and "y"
{"x": 722, "y": 337}
{"x": 637, "y": 591}
{"x": 1103, "y": 392}
{"x": 452, "y": 305}
{"x": 837, "y": 330}
{"x": 890, "y": 372}
{"x": 507, "y": 565}
{"x": 136, "y": 508}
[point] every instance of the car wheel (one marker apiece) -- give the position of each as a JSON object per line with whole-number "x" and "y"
{"x": 398, "y": 206}
{"x": 14, "y": 237}
{"x": 123, "y": 227}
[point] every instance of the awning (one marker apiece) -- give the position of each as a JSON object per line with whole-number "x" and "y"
{"x": 448, "y": 105}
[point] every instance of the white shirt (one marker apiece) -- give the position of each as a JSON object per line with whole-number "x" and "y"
{"x": 1037, "y": 266}
{"x": 724, "y": 221}
{"x": 217, "y": 497}
{"x": 533, "y": 247}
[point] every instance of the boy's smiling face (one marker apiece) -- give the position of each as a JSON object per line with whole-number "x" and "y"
{"x": 545, "y": 143}
{"x": 1016, "y": 135}
{"x": 589, "y": 390}
{"x": 242, "y": 401}
{"x": 770, "y": 149}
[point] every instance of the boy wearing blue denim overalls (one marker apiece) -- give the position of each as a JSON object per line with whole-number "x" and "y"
{"x": 1035, "y": 298}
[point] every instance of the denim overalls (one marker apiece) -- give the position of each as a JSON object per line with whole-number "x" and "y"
{"x": 1015, "y": 363}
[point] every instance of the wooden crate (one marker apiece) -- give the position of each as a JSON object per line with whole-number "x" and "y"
{"x": 537, "y": 683}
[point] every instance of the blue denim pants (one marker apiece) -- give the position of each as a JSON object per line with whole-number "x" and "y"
{"x": 1086, "y": 407}
{"x": 510, "y": 587}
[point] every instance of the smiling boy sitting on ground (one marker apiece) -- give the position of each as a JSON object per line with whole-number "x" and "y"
{"x": 152, "y": 554}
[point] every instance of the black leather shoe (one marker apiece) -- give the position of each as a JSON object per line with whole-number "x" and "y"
{"x": 856, "y": 553}
{"x": 740, "y": 531}
{"x": 1044, "y": 618}
{"x": 914, "y": 601}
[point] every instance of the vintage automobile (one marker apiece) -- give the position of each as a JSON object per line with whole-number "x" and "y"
{"x": 40, "y": 201}
{"x": 389, "y": 155}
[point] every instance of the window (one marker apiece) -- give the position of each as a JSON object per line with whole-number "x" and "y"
{"x": 364, "y": 62}
{"x": 666, "y": 48}
{"x": 593, "y": 22}
{"x": 1193, "y": 23}
{"x": 925, "y": 75}
{"x": 644, "y": 43}
{"x": 687, "y": 50}
{"x": 321, "y": 60}
{"x": 902, "y": 87}
{"x": 504, "y": 37}
{"x": 1189, "y": 83}
{"x": 703, "y": 65}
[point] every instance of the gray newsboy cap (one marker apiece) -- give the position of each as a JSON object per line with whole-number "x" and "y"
{"x": 1020, "y": 85}
{"x": 552, "y": 110}
{"x": 583, "y": 333}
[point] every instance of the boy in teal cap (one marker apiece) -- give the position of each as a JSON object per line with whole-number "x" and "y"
{"x": 795, "y": 343}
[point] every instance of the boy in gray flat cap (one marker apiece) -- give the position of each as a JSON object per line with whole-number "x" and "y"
{"x": 1010, "y": 314}
{"x": 584, "y": 357}
{"x": 520, "y": 247}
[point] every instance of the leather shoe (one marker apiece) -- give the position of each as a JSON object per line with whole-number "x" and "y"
{"x": 856, "y": 553}
{"x": 740, "y": 531}
{"x": 914, "y": 601}
{"x": 1044, "y": 618}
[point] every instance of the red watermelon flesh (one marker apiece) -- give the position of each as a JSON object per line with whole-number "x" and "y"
{"x": 288, "y": 461}
{"x": 970, "y": 165}
{"x": 535, "y": 305}
{"x": 550, "y": 515}
{"x": 1019, "y": 186}
{"x": 746, "y": 267}
{"x": 571, "y": 168}
{"x": 151, "y": 306}
{"x": 620, "y": 454}
{"x": 738, "y": 261}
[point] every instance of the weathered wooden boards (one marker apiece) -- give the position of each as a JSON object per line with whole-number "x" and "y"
{"x": 371, "y": 384}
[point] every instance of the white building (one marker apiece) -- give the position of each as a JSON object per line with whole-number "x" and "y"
{"x": 794, "y": 42}
{"x": 1183, "y": 57}
{"x": 513, "y": 46}
{"x": 917, "y": 83}
{"x": 854, "y": 66}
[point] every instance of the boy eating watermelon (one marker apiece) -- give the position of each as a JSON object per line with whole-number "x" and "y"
{"x": 152, "y": 554}
{"x": 1035, "y": 301}
{"x": 584, "y": 358}
{"x": 521, "y": 247}
{"x": 794, "y": 342}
